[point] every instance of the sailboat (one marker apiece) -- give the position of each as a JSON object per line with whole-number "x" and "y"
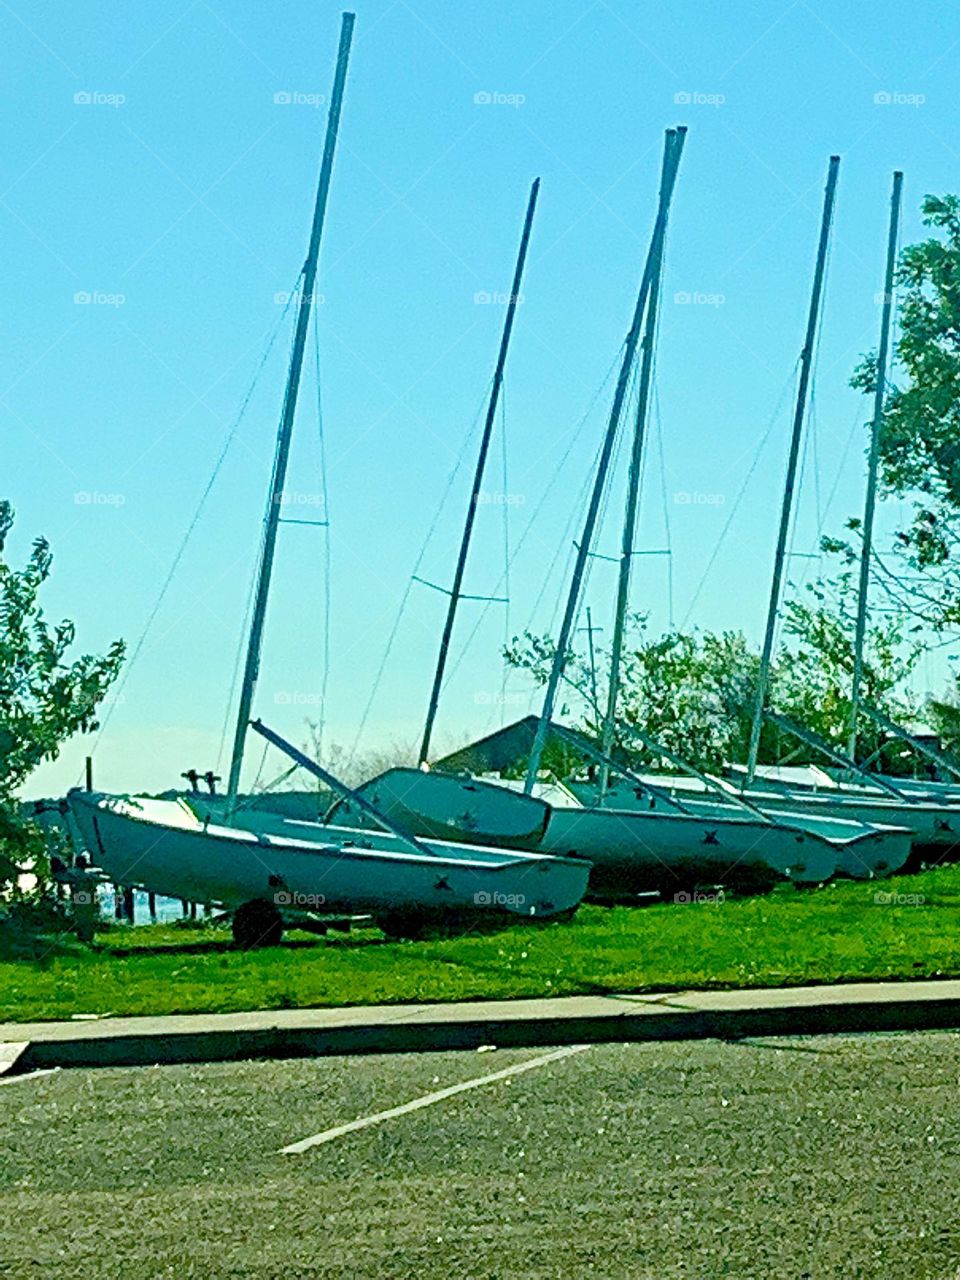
{"x": 931, "y": 818}
{"x": 273, "y": 869}
{"x": 222, "y": 857}
{"x": 663, "y": 841}
{"x": 652, "y": 834}
{"x": 861, "y": 781}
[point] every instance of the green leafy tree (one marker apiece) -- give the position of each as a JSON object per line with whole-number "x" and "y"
{"x": 814, "y": 673}
{"x": 682, "y": 689}
{"x": 944, "y": 717}
{"x": 45, "y": 696}
{"x": 920, "y": 431}
{"x": 693, "y": 692}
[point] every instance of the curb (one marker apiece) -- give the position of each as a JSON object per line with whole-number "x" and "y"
{"x": 429, "y": 1029}
{"x": 11, "y": 1051}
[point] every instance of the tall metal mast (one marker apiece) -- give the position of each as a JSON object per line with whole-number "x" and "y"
{"x": 803, "y": 387}
{"x": 672, "y": 149}
{"x": 475, "y": 493}
{"x": 633, "y": 492}
{"x": 285, "y": 430}
{"x": 879, "y": 395}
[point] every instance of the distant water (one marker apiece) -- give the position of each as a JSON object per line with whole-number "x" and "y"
{"x": 168, "y": 909}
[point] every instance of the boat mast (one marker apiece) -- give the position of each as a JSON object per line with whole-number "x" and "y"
{"x": 475, "y": 493}
{"x": 272, "y": 518}
{"x": 806, "y": 366}
{"x": 672, "y": 149}
{"x": 633, "y": 490}
{"x": 879, "y": 395}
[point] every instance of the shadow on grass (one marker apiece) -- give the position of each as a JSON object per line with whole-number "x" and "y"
{"x": 211, "y": 948}
{"x": 225, "y": 946}
{"x": 24, "y": 947}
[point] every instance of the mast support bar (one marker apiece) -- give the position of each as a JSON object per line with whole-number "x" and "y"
{"x": 332, "y": 781}
{"x": 832, "y": 753}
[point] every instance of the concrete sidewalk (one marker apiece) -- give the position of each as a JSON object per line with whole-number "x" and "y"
{"x": 287, "y": 1033}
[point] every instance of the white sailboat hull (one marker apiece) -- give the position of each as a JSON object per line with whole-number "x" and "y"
{"x": 863, "y": 850}
{"x": 451, "y": 808}
{"x": 163, "y": 846}
{"x": 632, "y": 851}
{"x": 835, "y": 781}
{"x": 934, "y": 825}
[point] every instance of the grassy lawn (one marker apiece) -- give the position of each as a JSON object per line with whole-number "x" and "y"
{"x": 844, "y": 932}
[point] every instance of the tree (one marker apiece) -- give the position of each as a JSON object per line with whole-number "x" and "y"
{"x": 45, "y": 697}
{"x": 920, "y": 431}
{"x": 694, "y": 692}
{"x": 813, "y": 679}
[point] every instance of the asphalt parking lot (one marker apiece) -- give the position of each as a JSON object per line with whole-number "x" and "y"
{"x": 818, "y": 1157}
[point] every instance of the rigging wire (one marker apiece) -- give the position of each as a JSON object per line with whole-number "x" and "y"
{"x": 230, "y": 701}
{"x": 411, "y": 581}
{"x": 668, "y": 532}
{"x": 181, "y": 550}
{"x": 248, "y": 801}
{"x": 515, "y": 551}
{"x": 794, "y": 520}
{"x": 808, "y": 435}
{"x": 831, "y": 496}
{"x": 328, "y": 551}
{"x": 259, "y": 773}
{"x": 564, "y": 541}
{"x": 757, "y": 454}
{"x": 235, "y": 675}
{"x": 507, "y": 591}
{"x": 645, "y": 456}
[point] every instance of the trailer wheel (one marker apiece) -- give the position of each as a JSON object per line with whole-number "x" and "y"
{"x": 403, "y": 926}
{"x": 257, "y": 924}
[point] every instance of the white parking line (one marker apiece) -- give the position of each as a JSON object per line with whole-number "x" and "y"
{"x": 30, "y": 1075}
{"x": 328, "y": 1135}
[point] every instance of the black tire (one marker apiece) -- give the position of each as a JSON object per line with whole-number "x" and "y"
{"x": 257, "y": 924}
{"x": 403, "y": 926}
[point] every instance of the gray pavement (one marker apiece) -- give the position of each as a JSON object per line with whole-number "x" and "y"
{"x": 852, "y": 1007}
{"x": 776, "y": 1159}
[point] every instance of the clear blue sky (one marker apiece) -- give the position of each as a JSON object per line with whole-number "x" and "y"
{"x": 190, "y": 199}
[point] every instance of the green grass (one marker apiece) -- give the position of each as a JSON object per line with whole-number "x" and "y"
{"x": 837, "y": 934}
